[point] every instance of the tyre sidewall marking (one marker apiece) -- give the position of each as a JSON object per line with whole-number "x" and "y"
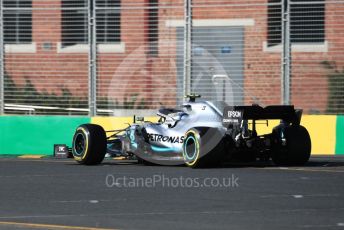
{"x": 85, "y": 134}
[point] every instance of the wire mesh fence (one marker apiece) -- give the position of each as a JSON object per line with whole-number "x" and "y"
{"x": 317, "y": 30}
{"x": 228, "y": 42}
{"x": 140, "y": 70}
{"x": 83, "y": 57}
{"x": 41, "y": 74}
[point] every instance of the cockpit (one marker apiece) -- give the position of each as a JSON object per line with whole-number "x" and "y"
{"x": 170, "y": 116}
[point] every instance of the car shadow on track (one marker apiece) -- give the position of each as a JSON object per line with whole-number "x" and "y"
{"x": 312, "y": 163}
{"x": 316, "y": 162}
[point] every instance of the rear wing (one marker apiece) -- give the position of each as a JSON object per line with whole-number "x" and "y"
{"x": 287, "y": 113}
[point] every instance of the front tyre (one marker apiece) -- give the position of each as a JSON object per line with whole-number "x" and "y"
{"x": 89, "y": 144}
{"x": 203, "y": 147}
{"x": 291, "y": 145}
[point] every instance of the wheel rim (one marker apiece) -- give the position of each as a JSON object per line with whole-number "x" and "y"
{"x": 190, "y": 148}
{"x": 79, "y": 144}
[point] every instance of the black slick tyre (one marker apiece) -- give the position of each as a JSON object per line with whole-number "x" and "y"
{"x": 203, "y": 147}
{"x": 89, "y": 144}
{"x": 291, "y": 145}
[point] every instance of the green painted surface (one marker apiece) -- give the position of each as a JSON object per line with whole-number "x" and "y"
{"x": 36, "y": 135}
{"x": 340, "y": 135}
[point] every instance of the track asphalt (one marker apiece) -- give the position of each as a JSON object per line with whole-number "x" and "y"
{"x": 60, "y": 194}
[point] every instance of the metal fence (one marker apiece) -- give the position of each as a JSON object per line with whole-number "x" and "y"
{"x": 106, "y": 57}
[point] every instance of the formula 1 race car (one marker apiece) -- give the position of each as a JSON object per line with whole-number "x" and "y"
{"x": 200, "y": 134}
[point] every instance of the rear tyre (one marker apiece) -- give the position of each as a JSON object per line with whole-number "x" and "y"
{"x": 295, "y": 149}
{"x": 203, "y": 147}
{"x": 89, "y": 144}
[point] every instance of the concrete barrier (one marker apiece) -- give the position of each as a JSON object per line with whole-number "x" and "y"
{"x": 36, "y": 135}
{"x": 30, "y": 135}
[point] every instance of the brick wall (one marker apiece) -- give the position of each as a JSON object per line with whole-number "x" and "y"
{"x": 154, "y": 78}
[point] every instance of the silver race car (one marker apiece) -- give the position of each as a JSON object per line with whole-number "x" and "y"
{"x": 200, "y": 134}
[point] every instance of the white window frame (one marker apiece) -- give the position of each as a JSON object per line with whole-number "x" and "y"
{"x": 20, "y": 47}
{"x": 110, "y": 47}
